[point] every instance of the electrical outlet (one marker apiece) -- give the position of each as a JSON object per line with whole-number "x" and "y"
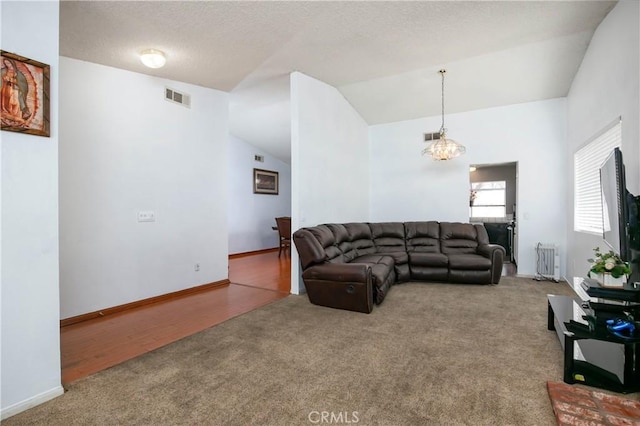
{"x": 196, "y": 267}
{"x": 146, "y": 216}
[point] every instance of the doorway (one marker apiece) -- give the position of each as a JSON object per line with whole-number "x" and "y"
{"x": 493, "y": 196}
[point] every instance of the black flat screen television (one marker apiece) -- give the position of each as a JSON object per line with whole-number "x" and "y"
{"x": 615, "y": 211}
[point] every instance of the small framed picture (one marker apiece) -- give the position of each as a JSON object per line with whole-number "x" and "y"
{"x": 265, "y": 182}
{"x": 24, "y": 95}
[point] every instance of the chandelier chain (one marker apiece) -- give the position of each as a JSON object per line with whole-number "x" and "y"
{"x": 442, "y": 125}
{"x": 442, "y": 148}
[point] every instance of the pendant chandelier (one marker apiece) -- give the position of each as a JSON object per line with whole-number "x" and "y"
{"x": 443, "y": 148}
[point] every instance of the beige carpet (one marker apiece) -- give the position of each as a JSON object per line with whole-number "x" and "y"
{"x": 430, "y": 354}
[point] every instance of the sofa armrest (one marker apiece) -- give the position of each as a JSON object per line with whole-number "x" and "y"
{"x": 495, "y": 253}
{"x": 487, "y": 250}
{"x": 341, "y": 272}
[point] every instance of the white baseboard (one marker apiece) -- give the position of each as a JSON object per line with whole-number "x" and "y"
{"x": 21, "y": 406}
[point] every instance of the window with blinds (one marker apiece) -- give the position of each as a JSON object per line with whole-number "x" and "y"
{"x": 586, "y": 165}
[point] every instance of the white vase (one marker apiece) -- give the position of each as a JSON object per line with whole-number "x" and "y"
{"x": 607, "y": 280}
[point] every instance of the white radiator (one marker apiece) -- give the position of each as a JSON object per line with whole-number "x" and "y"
{"x": 547, "y": 262}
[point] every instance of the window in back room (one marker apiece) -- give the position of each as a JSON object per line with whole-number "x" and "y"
{"x": 488, "y": 199}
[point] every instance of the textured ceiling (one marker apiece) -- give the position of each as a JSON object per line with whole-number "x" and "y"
{"x": 383, "y": 56}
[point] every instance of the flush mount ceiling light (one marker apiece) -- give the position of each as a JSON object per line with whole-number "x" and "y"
{"x": 443, "y": 148}
{"x": 153, "y": 58}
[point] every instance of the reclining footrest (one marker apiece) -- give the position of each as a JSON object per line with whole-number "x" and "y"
{"x": 341, "y": 286}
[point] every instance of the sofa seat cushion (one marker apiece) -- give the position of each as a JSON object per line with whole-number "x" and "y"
{"x": 428, "y": 259}
{"x": 399, "y": 257}
{"x": 381, "y": 267}
{"x": 375, "y": 259}
{"x": 469, "y": 262}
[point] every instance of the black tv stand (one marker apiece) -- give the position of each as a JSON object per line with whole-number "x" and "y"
{"x": 593, "y": 356}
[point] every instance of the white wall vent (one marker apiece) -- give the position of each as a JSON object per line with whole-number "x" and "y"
{"x": 547, "y": 262}
{"x": 174, "y": 96}
{"x": 259, "y": 158}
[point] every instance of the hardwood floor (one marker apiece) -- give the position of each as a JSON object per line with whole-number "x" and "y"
{"x": 264, "y": 270}
{"x": 97, "y": 344}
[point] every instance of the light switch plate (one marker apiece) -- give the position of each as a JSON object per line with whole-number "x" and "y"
{"x": 146, "y": 216}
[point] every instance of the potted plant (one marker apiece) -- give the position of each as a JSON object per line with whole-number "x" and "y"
{"x": 608, "y": 268}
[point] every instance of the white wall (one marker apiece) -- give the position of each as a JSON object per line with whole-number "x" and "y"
{"x": 406, "y": 186}
{"x": 30, "y": 342}
{"x": 329, "y": 159}
{"x": 124, "y": 149}
{"x": 251, "y": 216}
{"x": 605, "y": 87}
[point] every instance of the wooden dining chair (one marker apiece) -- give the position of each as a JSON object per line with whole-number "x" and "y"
{"x": 284, "y": 232}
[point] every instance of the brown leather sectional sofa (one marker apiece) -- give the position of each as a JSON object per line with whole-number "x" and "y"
{"x": 351, "y": 265}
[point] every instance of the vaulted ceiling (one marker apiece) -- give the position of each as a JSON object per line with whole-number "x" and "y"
{"x": 383, "y": 56}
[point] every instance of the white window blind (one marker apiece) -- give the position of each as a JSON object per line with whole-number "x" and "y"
{"x": 587, "y": 161}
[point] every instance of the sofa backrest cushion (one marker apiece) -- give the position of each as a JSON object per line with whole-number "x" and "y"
{"x": 361, "y": 238}
{"x": 483, "y": 237}
{"x": 458, "y": 238}
{"x": 342, "y": 241}
{"x": 423, "y": 237}
{"x": 328, "y": 242}
{"x": 309, "y": 248}
{"x": 388, "y": 237}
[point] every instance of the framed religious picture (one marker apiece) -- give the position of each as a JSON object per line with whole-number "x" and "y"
{"x": 24, "y": 95}
{"x": 265, "y": 182}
